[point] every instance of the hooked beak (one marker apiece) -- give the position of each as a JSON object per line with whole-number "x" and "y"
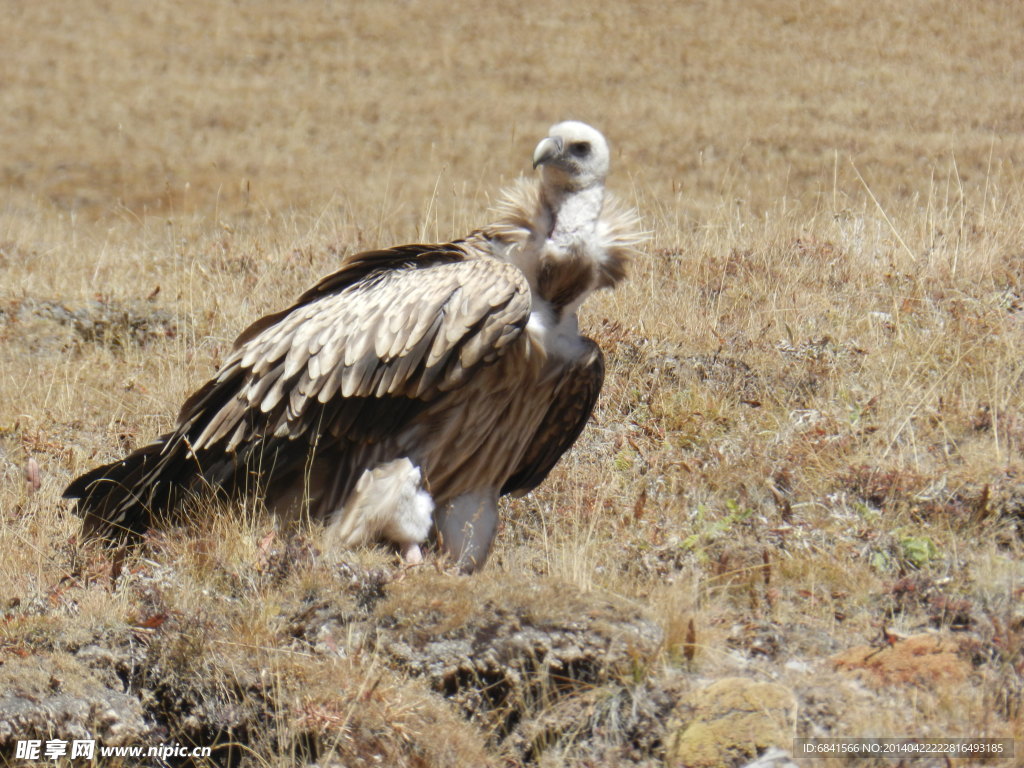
{"x": 547, "y": 150}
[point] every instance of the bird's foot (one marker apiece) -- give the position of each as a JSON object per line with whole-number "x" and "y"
{"x": 411, "y": 554}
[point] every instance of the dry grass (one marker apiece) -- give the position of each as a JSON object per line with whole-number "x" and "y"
{"x": 813, "y": 427}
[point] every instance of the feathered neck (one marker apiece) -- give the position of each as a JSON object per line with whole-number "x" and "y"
{"x": 530, "y": 220}
{"x": 574, "y": 213}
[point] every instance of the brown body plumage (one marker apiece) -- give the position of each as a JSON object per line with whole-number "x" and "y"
{"x": 412, "y": 386}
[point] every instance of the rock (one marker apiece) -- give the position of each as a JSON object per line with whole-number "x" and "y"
{"x": 511, "y": 642}
{"x": 731, "y": 721}
{"x": 363, "y": 666}
{"x": 47, "y": 694}
{"x": 536, "y": 664}
{"x": 928, "y": 660}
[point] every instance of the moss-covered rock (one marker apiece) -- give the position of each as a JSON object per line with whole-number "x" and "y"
{"x": 729, "y": 722}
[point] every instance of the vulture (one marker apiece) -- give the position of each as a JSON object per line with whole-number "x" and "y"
{"x": 407, "y": 391}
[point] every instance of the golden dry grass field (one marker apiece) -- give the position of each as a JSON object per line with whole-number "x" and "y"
{"x": 806, "y": 467}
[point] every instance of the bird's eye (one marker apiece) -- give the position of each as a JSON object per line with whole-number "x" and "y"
{"x": 580, "y": 148}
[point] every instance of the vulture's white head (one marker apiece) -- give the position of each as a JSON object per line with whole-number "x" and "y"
{"x": 573, "y": 157}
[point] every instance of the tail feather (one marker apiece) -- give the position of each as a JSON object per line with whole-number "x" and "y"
{"x": 120, "y": 499}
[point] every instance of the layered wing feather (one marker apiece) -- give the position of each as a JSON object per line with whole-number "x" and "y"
{"x": 413, "y": 327}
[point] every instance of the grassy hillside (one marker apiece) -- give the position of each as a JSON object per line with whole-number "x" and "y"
{"x": 811, "y": 440}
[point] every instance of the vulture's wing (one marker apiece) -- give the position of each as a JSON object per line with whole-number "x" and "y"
{"x": 402, "y": 325}
{"x": 563, "y": 422}
{"x": 349, "y": 364}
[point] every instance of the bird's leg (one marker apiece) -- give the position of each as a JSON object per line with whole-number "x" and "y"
{"x": 466, "y": 528}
